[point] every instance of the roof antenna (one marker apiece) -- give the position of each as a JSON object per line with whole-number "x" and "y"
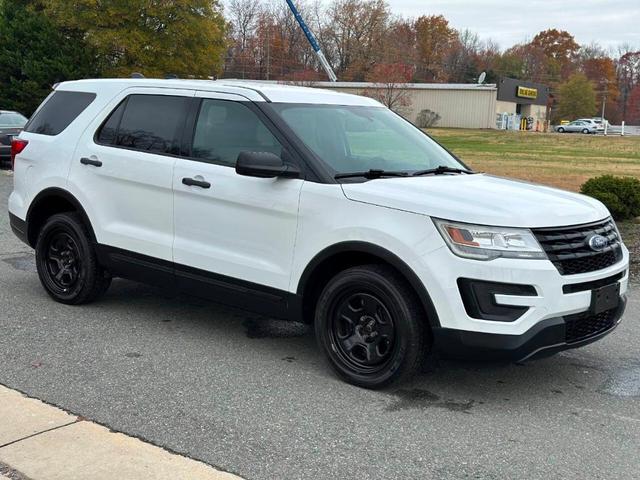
{"x": 137, "y": 75}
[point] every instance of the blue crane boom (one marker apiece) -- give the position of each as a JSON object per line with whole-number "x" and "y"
{"x": 312, "y": 41}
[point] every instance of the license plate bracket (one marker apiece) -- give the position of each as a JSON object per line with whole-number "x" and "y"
{"x": 605, "y": 298}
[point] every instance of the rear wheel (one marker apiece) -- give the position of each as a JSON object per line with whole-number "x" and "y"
{"x": 66, "y": 262}
{"x": 585, "y": 130}
{"x": 371, "y": 326}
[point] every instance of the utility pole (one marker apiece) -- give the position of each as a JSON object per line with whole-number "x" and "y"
{"x": 314, "y": 43}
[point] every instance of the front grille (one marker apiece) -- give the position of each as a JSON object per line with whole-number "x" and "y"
{"x": 582, "y": 326}
{"x": 568, "y": 247}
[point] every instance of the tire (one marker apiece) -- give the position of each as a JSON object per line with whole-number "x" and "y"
{"x": 560, "y": 130}
{"x": 67, "y": 263}
{"x": 585, "y": 131}
{"x": 371, "y": 327}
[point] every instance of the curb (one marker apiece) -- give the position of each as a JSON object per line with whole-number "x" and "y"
{"x": 42, "y": 442}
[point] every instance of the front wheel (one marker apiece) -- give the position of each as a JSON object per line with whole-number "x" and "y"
{"x": 66, "y": 262}
{"x": 371, "y": 326}
{"x": 585, "y": 131}
{"x": 560, "y": 130}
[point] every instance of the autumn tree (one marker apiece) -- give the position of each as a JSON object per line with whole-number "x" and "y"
{"x": 243, "y": 17}
{"x": 601, "y": 71}
{"x": 434, "y": 41}
{"x": 399, "y": 45}
{"x": 461, "y": 63}
{"x": 560, "y": 50}
{"x": 354, "y": 33}
{"x": 633, "y": 107}
{"x": 628, "y": 78}
{"x": 183, "y": 37}
{"x": 577, "y": 98}
{"x": 388, "y": 87}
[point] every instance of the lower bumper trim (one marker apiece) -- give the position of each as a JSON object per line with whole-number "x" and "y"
{"x": 19, "y": 227}
{"x": 543, "y": 339}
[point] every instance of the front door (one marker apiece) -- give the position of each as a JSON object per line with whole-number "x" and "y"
{"x": 234, "y": 235}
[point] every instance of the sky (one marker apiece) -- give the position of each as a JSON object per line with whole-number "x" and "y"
{"x": 608, "y": 22}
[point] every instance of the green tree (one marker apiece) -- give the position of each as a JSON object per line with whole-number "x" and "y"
{"x": 34, "y": 55}
{"x": 577, "y": 98}
{"x": 153, "y": 37}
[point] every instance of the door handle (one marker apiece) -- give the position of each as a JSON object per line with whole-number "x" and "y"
{"x": 192, "y": 182}
{"x": 89, "y": 161}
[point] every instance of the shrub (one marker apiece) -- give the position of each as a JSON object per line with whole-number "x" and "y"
{"x": 426, "y": 119}
{"x": 621, "y": 195}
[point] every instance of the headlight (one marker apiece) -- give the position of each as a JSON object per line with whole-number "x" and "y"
{"x": 487, "y": 243}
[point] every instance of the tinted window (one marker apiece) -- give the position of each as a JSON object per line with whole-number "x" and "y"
{"x": 226, "y": 128}
{"x": 58, "y": 112}
{"x": 12, "y": 119}
{"x": 152, "y": 123}
{"x": 109, "y": 130}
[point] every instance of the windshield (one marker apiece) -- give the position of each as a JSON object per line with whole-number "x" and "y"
{"x": 359, "y": 138}
{"x": 12, "y": 119}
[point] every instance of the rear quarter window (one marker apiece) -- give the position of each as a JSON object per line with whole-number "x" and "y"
{"x": 58, "y": 112}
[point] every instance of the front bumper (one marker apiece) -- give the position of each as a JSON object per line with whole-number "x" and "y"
{"x": 442, "y": 270}
{"x": 545, "y": 338}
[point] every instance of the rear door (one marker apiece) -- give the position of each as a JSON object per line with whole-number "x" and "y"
{"x": 123, "y": 167}
{"x": 234, "y": 235}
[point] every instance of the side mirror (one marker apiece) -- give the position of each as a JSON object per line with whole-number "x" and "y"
{"x": 264, "y": 165}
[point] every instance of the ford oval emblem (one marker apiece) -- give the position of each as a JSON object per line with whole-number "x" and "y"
{"x": 598, "y": 243}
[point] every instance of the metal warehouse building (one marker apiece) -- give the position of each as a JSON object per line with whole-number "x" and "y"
{"x": 467, "y": 105}
{"x": 459, "y": 105}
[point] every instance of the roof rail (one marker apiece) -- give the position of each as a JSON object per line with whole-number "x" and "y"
{"x": 137, "y": 75}
{"x": 170, "y": 76}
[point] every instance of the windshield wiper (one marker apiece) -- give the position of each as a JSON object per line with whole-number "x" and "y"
{"x": 372, "y": 173}
{"x": 439, "y": 170}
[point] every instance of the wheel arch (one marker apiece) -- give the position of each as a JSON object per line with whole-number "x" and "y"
{"x": 51, "y": 201}
{"x": 340, "y": 256}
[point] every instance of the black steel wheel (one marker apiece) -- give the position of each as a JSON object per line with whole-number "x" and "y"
{"x": 362, "y": 330}
{"x": 371, "y": 326}
{"x": 66, "y": 262}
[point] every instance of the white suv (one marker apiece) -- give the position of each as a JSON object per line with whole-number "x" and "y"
{"x": 314, "y": 206}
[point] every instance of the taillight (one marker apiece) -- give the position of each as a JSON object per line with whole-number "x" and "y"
{"x": 17, "y": 146}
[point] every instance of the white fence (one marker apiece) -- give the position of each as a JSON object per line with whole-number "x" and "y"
{"x": 617, "y": 130}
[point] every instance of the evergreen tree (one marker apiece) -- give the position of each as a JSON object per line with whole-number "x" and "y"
{"x": 34, "y": 55}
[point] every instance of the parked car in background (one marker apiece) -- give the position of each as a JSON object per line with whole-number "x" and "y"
{"x": 11, "y": 124}
{"x": 578, "y": 126}
{"x": 597, "y": 121}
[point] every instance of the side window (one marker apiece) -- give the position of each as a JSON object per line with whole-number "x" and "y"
{"x": 151, "y": 123}
{"x": 109, "y": 130}
{"x": 225, "y": 128}
{"x": 59, "y": 110}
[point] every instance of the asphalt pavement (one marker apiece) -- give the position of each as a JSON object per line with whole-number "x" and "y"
{"x": 253, "y": 396}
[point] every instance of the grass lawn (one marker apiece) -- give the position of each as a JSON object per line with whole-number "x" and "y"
{"x": 561, "y": 160}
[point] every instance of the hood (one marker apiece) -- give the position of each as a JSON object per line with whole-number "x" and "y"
{"x": 481, "y": 199}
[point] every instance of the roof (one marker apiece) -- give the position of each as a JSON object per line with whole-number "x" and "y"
{"x": 412, "y": 86}
{"x": 252, "y": 90}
